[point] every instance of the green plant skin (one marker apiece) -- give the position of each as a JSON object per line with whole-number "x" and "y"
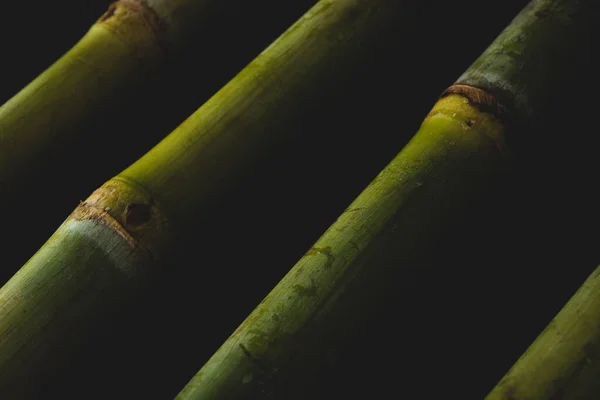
{"x": 96, "y": 263}
{"x": 49, "y": 123}
{"x": 381, "y": 231}
{"x": 172, "y": 186}
{"x": 563, "y": 362}
{"x": 277, "y": 86}
{"x": 48, "y": 305}
{"x": 44, "y": 115}
{"x": 371, "y": 247}
{"x": 538, "y": 42}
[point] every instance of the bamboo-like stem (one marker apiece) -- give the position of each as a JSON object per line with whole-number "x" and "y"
{"x": 563, "y": 361}
{"x": 291, "y": 70}
{"x": 373, "y": 244}
{"x": 43, "y": 127}
{"x": 116, "y": 240}
{"x": 125, "y": 46}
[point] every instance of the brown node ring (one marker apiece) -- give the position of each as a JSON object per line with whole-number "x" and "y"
{"x": 139, "y": 7}
{"x": 85, "y": 211}
{"x": 129, "y": 210}
{"x": 482, "y": 100}
{"x": 137, "y": 24}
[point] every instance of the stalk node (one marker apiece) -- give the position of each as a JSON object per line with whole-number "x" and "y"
{"x": 131, "y": 212}
{"x": 479, "y": 99}
{"x": 138, "y": 25}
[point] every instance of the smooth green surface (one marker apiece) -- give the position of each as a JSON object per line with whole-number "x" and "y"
{"x": 247, "y": 117}
{"x": 82, "y": 262}
{"x": 564, "y": 361}
{"x": 373, "y": 242}
{"x": 47, "y": 115}
{"x": 372, "y": 246}
{"x": 177, "y": 179}
{"x": 38, "y": 119}
{"x": 86, "y": 111}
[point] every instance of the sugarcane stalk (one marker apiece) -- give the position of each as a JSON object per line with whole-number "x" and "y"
{"x": 125, "y": 46}
{"x": 132, "y": 47}
{"x": 116, "y": 241}
{"x": 463, "y": 143}
{"x": 563, "y": 361}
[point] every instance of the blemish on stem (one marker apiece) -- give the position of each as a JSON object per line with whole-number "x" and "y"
{"x": 354, "y": 245}
{"x": 354, "y": 210}
{"x": 305, "y": 291}
{"x": 131, "y": 212}
{"x": 326, "y": 251}
{"x": 253, "y": 359}
{"x": 511, "y": 393}
{"x": 137, "y": 214}
{"x": 479, "y": 99}
{"x": 470, "y": 123}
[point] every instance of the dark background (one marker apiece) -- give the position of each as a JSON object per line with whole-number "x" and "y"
{"x": 489, "y": 285}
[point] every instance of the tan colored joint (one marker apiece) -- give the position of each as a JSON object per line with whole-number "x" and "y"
{"x": 128, "y": 209}
{"x": 478, "y": 98}
{"x": 138, "y": 25}
{"x": 86, "y": 212}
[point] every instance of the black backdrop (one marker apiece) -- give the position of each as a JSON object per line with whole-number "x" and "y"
{"x": 501, "y": 272}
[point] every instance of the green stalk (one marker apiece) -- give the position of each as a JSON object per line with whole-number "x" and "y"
{"x": 105, "y": 79}
{"x": 117, "y": 240}
{"x": 123, "y": 48}
{"x": 461, "y": 145}
{"x": 563, "y": 361}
